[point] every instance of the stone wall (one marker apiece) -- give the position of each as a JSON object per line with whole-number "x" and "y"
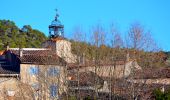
{"x": 165, "y": 81}
{"x": 42, "y": 79}
{"x": 8, "y": 86}
{"x": 62, "y": 48}
{"x": 117, "y": 71}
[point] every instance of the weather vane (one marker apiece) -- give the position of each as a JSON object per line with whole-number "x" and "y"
{"x": 57, "y": 15}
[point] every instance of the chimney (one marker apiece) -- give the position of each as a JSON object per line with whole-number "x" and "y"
{"x": 127, "y": 57}
{"x": 7, "y": 46}
{"x": 20, "y": 52}
{"x": 83, "y": 58}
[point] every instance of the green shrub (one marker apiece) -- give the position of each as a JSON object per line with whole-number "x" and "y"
{"x": 159, "y": 95}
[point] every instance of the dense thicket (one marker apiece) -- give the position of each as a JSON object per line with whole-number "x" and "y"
{"x": 24, "y": 37}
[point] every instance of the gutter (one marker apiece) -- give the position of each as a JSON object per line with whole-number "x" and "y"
{"x": 9, "y": 75}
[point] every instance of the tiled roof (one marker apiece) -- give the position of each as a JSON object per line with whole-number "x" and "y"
{"x": 42, "y": 59}
{"x": 39, "y": 57}
{"x": 92, "y": 64}
{"x": 32, "y": 52}
{"x": 36, "y": 56}
{"x": 85, "y": 79}
{"x": 152, "y": 73}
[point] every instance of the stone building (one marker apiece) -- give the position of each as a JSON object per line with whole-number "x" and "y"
{"x": 41, "y": 73}
{"x": 9, "y": 75}
{"x": 36, "y": 73}
{"x": 62, "y": 47}
{"x": 120, "y": 68}
{"x": 39, "y": 68}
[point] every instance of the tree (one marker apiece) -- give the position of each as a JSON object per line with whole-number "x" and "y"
{"x": 159, "y": 95}
{"x": 26, "y": 37}
{"x": 79, "y": 51}
{"x": 99, "y": 36}
{"x": 140, "y": 39}
{"x": 116, "y": 40}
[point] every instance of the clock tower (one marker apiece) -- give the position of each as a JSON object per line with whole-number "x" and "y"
{"x": 56, "y": 29}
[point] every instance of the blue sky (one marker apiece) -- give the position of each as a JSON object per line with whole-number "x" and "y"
{"x": 153, "y": 14}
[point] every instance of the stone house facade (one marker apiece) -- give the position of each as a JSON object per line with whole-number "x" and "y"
{"x": 40, "y": 69}
{"x": 9, "y": 75}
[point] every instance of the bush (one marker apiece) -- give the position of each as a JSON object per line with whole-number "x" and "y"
{"x": 159, "y": 95}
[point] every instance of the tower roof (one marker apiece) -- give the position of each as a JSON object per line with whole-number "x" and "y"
{"x": 56, "y": 21}
{"x": 56, "y": 28}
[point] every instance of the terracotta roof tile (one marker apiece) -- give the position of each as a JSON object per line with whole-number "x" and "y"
{"x": 57, "y": 39}
{"x": 152, "y": 73}
{"x": 92, "y": 64}
{"x": 40, "y": 57}
{"x": 1, "y": 52}
{"x": 85, "y": 79}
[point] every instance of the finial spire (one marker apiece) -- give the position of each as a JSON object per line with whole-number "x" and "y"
{"x": 57, "y": 15}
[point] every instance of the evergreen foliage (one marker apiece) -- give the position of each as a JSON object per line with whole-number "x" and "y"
{"x": 15, "y": 37}
{"x": 159, "y": 95}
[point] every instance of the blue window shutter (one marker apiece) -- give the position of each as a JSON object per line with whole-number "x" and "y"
{"x": 53, "y": 90}
{"x": 53, "y": 71}
{"x": 33, "y": 70}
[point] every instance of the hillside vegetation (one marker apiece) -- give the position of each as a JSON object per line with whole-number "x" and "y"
{"x": 27, "y": 37}
{"x": 107, "y": 54}
{"x": 24, "y": 37}
{"x": 105, "y": 45}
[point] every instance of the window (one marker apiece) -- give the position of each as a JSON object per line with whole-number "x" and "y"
{"x": 33, "y": 70}
{"x": 53, "y": 91}
{"x": 35, "y": 86}
{"x": 53, "y": 71}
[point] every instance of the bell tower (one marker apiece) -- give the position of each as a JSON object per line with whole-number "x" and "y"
{"x": 57, "y": 42}
{"x": 56, "y": 29}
